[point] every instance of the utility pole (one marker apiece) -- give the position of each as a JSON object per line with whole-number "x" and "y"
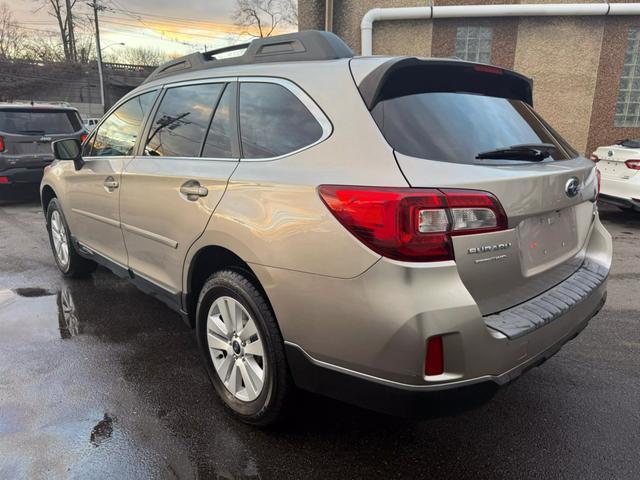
{"x": 96, "y": 9}
{"x": 71, "y": 35}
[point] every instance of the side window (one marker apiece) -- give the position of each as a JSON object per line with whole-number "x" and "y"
{"x": 273, "y": 121}
{"x": 218, "y": 143}
{"x": 118, "y": 133}
{"x": 181, "y": 121}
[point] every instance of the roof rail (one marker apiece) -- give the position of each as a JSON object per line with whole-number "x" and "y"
{"x": 308, "y": 45}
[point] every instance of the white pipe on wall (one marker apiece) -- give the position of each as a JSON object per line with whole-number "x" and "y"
{"x": 475, "y": 11}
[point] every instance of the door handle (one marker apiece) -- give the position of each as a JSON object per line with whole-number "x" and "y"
{"x": 110, "y": 184}
{"x": 193, "y": 190}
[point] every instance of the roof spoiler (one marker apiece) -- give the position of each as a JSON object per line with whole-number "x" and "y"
{"x": 403, "y": 76}
{"x": 308, "y": 45}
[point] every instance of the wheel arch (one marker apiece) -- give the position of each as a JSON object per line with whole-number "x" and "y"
{"x": 46, "y": 195}
{"x": 203, "y": 264}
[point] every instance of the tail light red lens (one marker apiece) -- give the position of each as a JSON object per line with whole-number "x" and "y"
{"x": 633, "y": 164}
{"x": 83, "y": 137}
{"x": 434, "y": 359}
{"x": 594, "y": 158}
{"x": 1, "y": 144}
{"x": 412, "y": 224}
{"x": 4, "y": 180}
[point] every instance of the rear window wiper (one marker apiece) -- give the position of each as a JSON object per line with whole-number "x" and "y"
{"x": 525, "y": 152}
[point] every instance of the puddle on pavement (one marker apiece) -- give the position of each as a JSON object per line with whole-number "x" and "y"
{"x": 102, "y": 431}
{"x": 28, "y": 312}
{"x": 33, "y": 292}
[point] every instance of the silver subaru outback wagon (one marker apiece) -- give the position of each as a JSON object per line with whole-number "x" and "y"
{"x": 373, "y": 229}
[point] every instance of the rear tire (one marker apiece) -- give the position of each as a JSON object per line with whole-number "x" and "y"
{"x": 243, "y": 351}
{"x": 69, "y": 261}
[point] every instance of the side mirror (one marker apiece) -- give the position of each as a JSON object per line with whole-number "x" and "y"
{"x": 69, "y": 149}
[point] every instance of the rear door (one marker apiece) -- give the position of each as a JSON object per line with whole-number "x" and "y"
{"x": 27, "y": 134}
{"x": 438, "y": 130}
{"x": 170, "y": 190}
{"x": 93, "y": 192}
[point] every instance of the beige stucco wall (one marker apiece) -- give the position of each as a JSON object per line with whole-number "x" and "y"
{"x": 397, "y": 37}
{"x": 562, "y": 56}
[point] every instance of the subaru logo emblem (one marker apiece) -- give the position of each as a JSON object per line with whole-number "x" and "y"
{"x": 572, "y": 187}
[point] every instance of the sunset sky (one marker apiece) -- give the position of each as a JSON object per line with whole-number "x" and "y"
{"x": 174, "y": 26}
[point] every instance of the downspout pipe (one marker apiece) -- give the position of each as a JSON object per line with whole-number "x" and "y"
{"x": 478, "y": 11}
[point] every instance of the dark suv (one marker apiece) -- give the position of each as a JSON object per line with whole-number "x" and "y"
{"x": 26, "y": 133}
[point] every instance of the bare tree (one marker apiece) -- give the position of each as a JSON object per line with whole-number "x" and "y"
{"x": 62, "y": 10}
{"x": 12, "y": 37}
{"x": 139, "y": 56}
{"x": 260, "y": 18}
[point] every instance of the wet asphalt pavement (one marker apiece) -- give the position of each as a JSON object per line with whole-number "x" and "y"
{"x": 98, "y": 380}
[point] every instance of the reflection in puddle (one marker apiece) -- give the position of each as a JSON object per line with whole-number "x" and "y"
{"x": 67, "y": 316}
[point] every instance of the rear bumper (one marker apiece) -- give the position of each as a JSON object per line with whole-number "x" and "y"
{"x": 22, "y": 176}
{"x": 410, "y": 400}
{"x": 373, "y": 328}
{"x": 622, "y": 193}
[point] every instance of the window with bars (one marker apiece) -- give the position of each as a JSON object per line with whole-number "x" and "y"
{"x": 474, "y": 44}
{"x": 628, "y": 104}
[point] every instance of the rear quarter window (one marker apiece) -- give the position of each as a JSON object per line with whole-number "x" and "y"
{"x": 274, "y": 121}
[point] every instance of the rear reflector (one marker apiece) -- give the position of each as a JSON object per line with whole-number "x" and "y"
{"x": 4, "y": 180}
{"x": 412, "y": 224}
{"x": 633, "y": 164}
{"x": 434, "y": 361}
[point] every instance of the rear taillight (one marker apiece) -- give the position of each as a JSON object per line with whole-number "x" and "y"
{"x": 4, "y": 180}
{"x": 1, "y": 144}
{"x": 83, "y": 137}
{"x": 594, "y": 158}
{"x": 633, "y": 164}
{"x": 412, "y": 224}
{"x": 434, "y": 358}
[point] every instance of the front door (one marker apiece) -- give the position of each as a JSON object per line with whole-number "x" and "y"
{"x": 169, "y": 192}
{"x": 93, "y": 209}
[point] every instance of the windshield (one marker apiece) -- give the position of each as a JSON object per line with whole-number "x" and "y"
{"x": 456, "y": 127}
{"x": 34, "y": 122}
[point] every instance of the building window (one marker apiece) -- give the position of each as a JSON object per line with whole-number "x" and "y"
{"x": 628, "y": 104}
{"x": 474, "y": 44}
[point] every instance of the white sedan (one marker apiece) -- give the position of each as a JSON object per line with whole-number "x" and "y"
{"x": 619, "y": 166}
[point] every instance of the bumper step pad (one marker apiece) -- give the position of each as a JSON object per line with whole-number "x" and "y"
{"x": 550, "y": 305}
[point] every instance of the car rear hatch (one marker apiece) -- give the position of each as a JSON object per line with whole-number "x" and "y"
{"x": 439, "y": 115}
{"x": 27, "y": 134}
{"x": 618, "y": 162}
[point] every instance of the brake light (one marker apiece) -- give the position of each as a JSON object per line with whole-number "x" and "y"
{"x": 83, "y": 138}
{"x": 633, "y": 164}
{"x": 594, "y": 158}
{"x": 411, "y": 224}
{"x": 434, "y": 359}
{"x": 4, "y": 180}
{"x": 1, "y": 144}
{"x": 488, "y": 69}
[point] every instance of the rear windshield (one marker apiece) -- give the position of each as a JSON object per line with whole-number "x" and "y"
{"x": 35, "y": 122}
{"x": 455, "y": 127}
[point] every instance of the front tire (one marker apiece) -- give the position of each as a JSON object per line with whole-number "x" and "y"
{"x": 242, "y": 348}
{"x": 69, "y": 261}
